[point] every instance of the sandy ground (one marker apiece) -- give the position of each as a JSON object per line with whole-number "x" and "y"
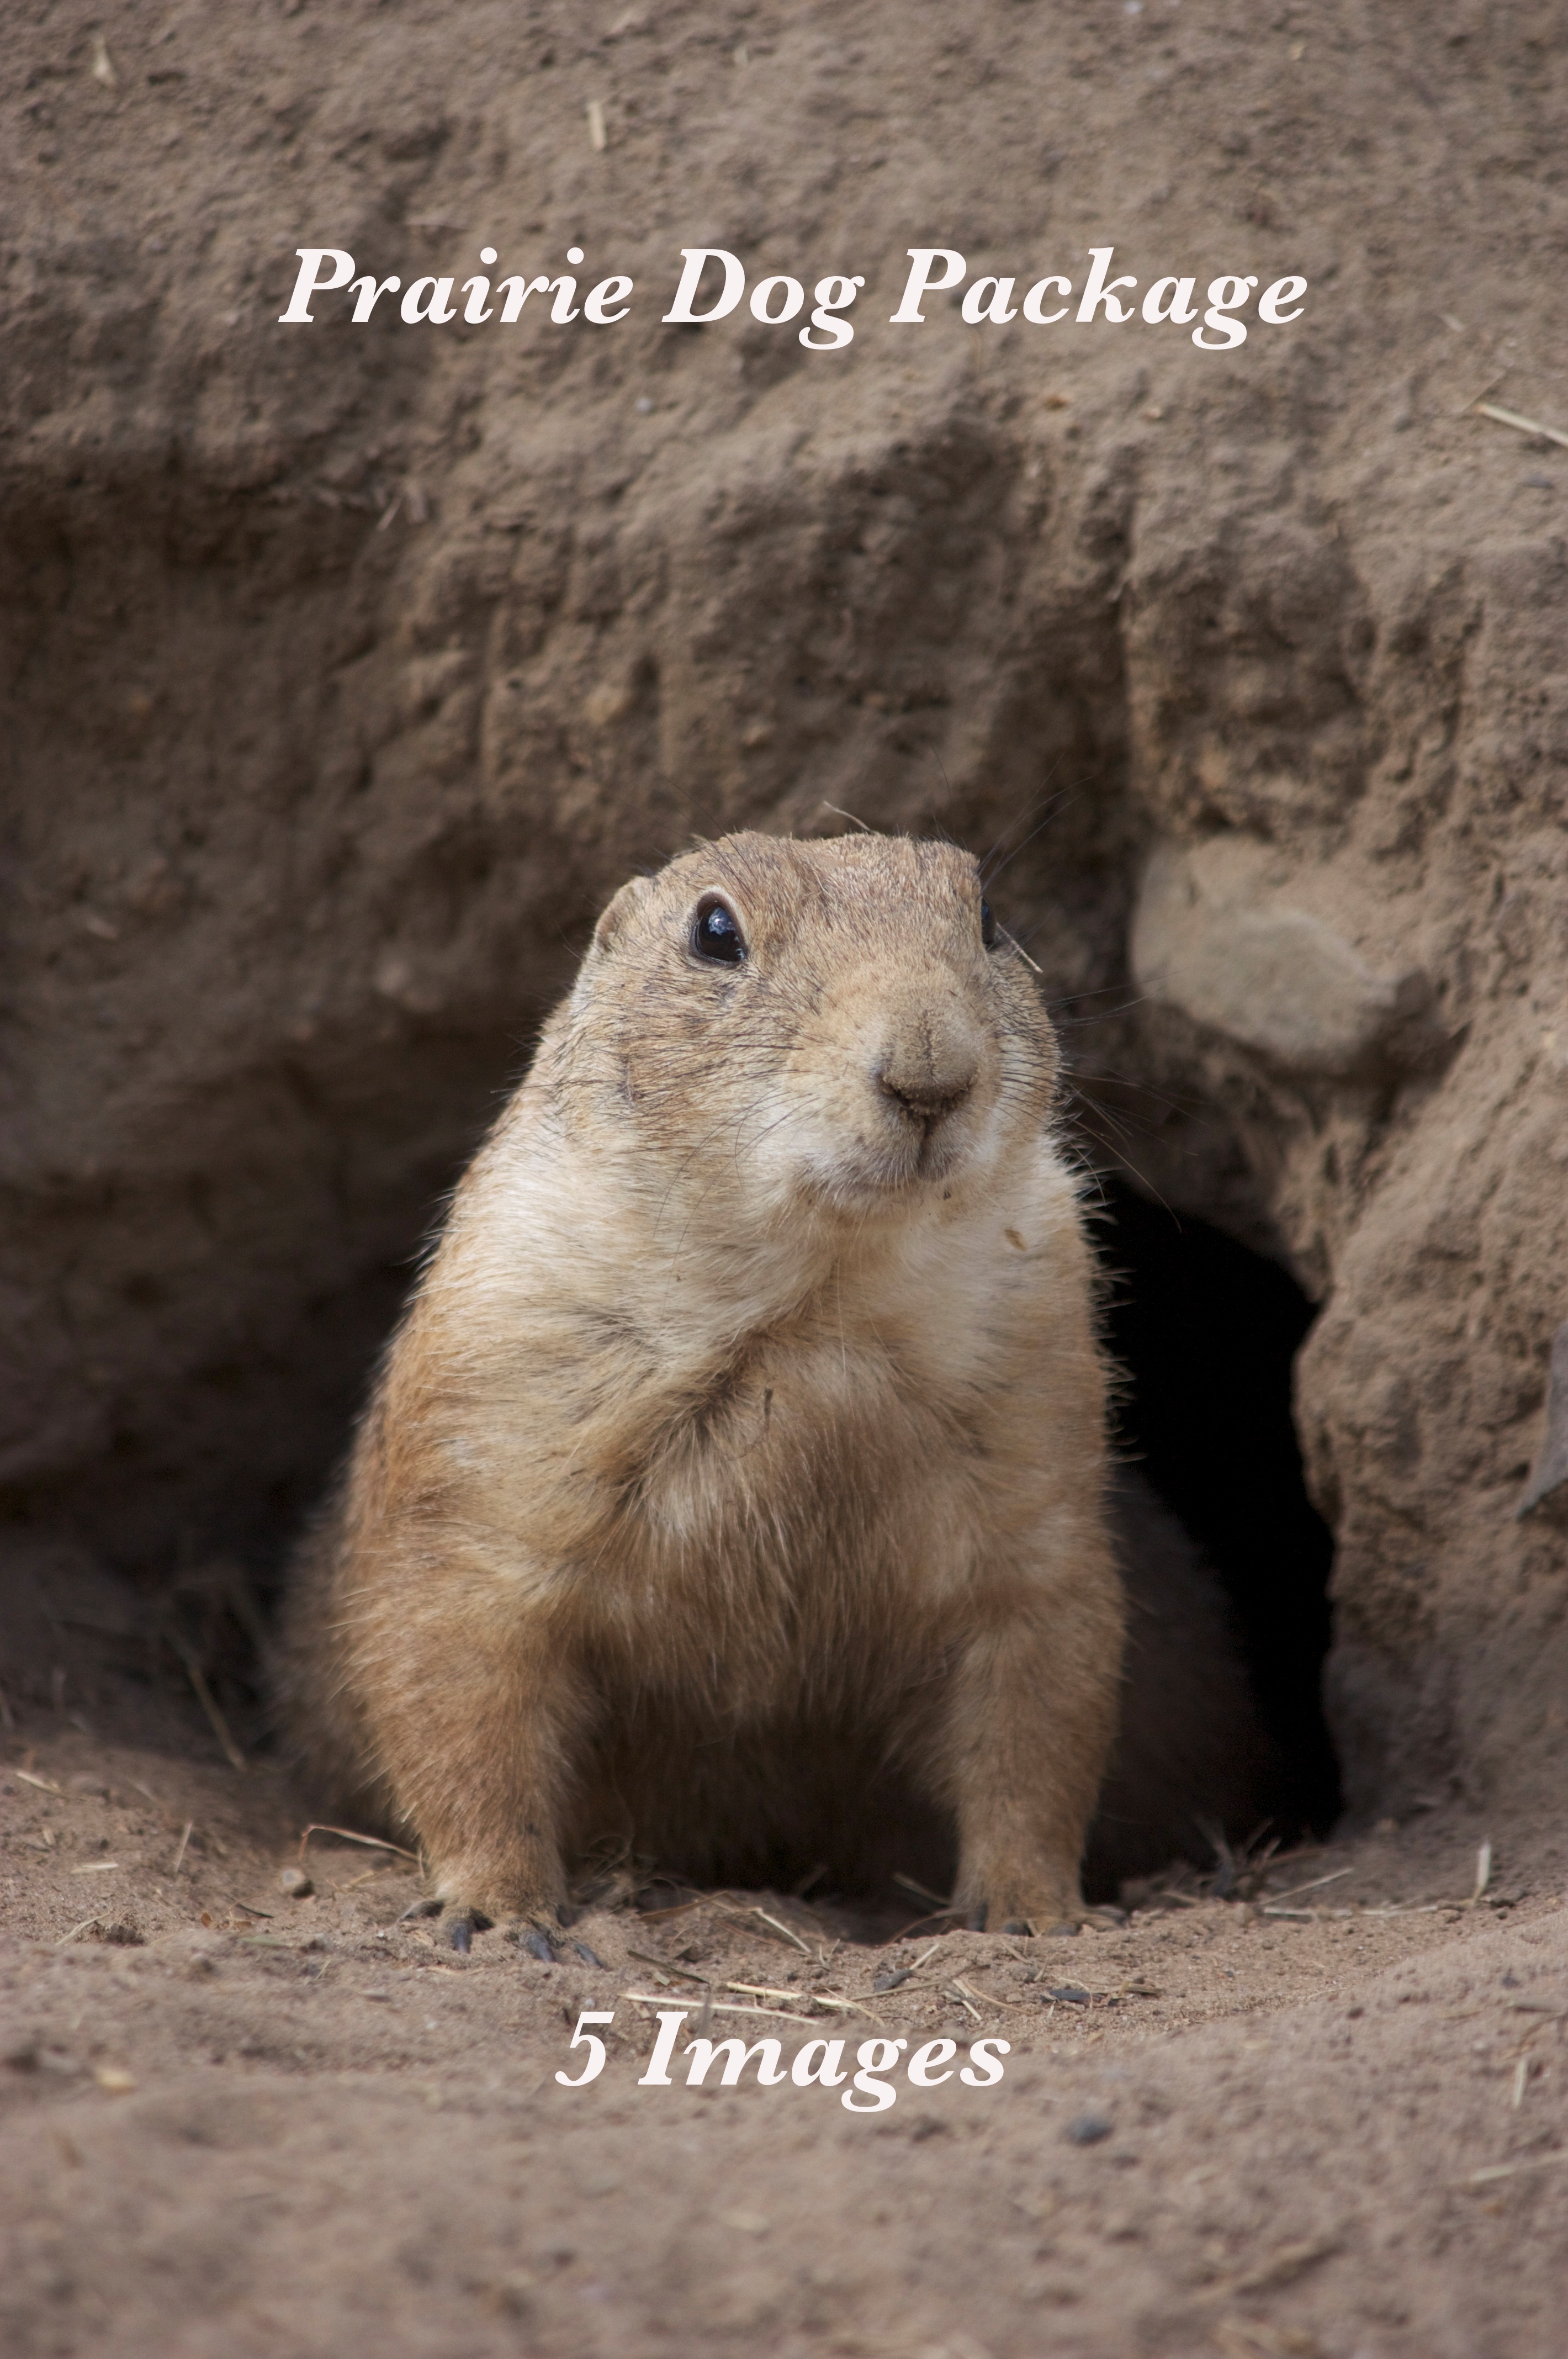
{"x": 1325, "y": 2115}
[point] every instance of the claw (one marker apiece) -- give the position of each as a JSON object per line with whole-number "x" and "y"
{"x": 976, "y": 1920}
{"x": 1018, "y": 1925}
{"x": 461, "y": 1926}
{"x": 589, "y": 1957}
{"x": 538, "y": 1943}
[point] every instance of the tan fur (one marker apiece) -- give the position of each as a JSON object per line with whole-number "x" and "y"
{"x": 741, "y": 1453}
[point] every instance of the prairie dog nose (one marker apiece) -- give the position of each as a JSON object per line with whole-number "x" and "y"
{"x": 928, "y": 1066}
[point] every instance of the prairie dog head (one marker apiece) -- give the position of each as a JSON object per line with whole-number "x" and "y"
{"x": 834, "y": 1027}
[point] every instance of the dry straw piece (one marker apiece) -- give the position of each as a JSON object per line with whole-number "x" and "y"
{"x": 347, "y": 1834}
{"x": 208, "y": 1701}
{"x": 1524, "y": 425}
{"x": 1496, "y": 2171}
{"x": 718, "y": 2007}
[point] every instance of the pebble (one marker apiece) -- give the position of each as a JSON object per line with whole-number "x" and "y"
{"x": 295, "y": 1883}
{"x": 1088, "y": 2129}
{"x": 510, "y": 2296}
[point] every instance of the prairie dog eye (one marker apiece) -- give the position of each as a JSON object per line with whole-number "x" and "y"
{"x": 715, "y": 932}
{"x": 987, "y": 925}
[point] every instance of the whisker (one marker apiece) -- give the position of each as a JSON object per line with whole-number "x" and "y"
{"x": 1065, "y": 802}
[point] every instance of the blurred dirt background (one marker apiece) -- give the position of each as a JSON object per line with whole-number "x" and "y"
{"x": 346, "y": 672}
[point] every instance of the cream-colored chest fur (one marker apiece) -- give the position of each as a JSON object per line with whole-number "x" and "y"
{"x": 738, "y": 1449}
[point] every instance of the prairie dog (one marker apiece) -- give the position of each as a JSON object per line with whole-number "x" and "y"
{"x": 741, "y": 1454}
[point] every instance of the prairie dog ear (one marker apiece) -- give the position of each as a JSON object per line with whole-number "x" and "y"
{"x": 620, "y": 909}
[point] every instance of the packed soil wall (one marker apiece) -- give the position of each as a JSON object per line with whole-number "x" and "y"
{"x": 347, "y": 669}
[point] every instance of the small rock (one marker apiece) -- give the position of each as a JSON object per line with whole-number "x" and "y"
{"x": 295, "y": 1883}
{"x": 890, "y": 1982}
{"x": 1071, "y": 1993}
{"x": 1088, "y": 2129}
{"x": 1208, "y": 938}
{"x": 114, "y": 2079}
{"x": 510, "y": 2296}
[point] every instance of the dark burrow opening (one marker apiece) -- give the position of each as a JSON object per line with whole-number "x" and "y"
{"x": 1206, "y": 1332}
